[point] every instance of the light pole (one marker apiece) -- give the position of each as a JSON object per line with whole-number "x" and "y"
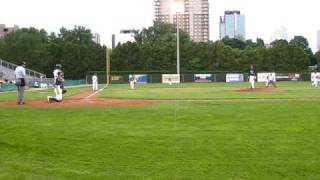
{"x": 178, "y": 44}
{"x": 176, "y": 8}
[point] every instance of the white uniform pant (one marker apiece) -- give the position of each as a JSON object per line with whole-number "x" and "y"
{"x": 132, "y": 84}
{"x": 95, "y": 86}
{"x": 57, "y": 94}
{"x": 252, "y": 81}
{"x": 315, "y": 83}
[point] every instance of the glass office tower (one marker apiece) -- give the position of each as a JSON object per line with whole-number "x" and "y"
{"x": 232, "y": 24}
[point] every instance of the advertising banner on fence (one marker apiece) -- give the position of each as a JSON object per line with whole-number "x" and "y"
{"x": 203, "y": 78}
{"x": 170, "y": 78}
{"x": 262, "y": 77}
{"x": 141, "y": 78}
{"x": 315, "y": 78}
{"x": 235, "y": 77}
{"x": 287, "y": 77}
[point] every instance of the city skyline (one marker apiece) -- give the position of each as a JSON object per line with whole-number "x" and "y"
{"x": 107, "y": 18}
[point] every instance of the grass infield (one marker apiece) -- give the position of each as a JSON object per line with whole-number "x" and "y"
{"x": 171, "y": 139}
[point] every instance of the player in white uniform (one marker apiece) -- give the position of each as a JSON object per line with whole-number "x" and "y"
{"x": 252, "y": 77}
{"x": 131, "y": 81}
{"x": 95, "y": 82}
{"x": 56, "y": 71}
{"x": 315, "y": 80}
{"x": 58, "y": 89}
{"x": 270, "y": 80}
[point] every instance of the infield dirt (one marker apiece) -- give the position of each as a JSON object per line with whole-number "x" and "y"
{"x": 80, "y": 100}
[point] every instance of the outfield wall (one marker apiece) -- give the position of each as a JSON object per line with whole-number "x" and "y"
{"x": 121, "y": 78}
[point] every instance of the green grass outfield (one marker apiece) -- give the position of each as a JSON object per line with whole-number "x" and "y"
{"x": 212, "y": 91}
{"x": 196, "y": 131}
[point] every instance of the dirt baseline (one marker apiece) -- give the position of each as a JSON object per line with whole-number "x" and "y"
{"x": 86, "y": 99}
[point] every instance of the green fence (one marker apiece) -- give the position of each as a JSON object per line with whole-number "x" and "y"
{"x": 7, "y": 87}
{"x": 48, "y": 82}
{"x": 75, "y": 82}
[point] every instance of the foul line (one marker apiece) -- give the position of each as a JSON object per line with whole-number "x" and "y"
{"x": 96, "y": 92}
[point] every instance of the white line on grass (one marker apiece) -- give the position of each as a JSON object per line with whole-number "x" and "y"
{"x": 96, "y": 92}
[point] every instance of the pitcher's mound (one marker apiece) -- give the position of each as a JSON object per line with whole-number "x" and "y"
{"x": 260, "y": 89}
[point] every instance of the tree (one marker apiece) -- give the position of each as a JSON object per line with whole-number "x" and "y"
{"x": 234, "y": 43}
{"x": 76, "y": 51}
{"x": 317, "y": 58}
{"x": 154, "y": 49}
{"x": 26, "y": 44}
{"x": 302, "y": 42}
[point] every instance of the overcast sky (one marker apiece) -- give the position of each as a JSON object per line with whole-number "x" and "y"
{"x": 106, "y": 17}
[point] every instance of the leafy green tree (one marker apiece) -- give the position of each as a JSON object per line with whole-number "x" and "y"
{"x": 154, "y": 50}
{"x": 234, "y": 43}
{"x": 317, "y": 58}
{"x": 26, "y": 44}
{"x": 260, "y": 42}
{"x": 76, "y": 51}
{"x": 302, "y": 42}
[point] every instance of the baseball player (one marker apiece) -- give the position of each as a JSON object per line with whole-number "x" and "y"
{"x": 170, "y": 81}
{"x": 56, "y": 71}
{"x": 252, "y": 77}
{"x": 58, "y": 90}
{"x": 270, "y": 80}
{"x": 315, "y": 80}
{"x": 131, "y": 81}
{"x": 95, "y": 82}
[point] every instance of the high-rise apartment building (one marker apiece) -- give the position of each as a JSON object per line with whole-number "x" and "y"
{"x": 5, "y": 30}
{"x": 192, "y": 16}
{"x": 232, "y": 24}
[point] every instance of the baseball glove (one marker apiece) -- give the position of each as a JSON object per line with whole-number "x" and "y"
{"x": 64, "y": 91}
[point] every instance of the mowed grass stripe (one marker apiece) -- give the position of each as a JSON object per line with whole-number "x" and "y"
{"x": 172, "y": 140}
{"x": 207, "y": 91}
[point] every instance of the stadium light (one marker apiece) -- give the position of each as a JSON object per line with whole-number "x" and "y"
{"x": 177, "y": 8}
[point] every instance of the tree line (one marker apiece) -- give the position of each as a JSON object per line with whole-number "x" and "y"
{"x": 154, "y": 49}
{"x": 74, "y": 49}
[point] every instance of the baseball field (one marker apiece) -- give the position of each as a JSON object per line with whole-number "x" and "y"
{"x": 157, "y": 131}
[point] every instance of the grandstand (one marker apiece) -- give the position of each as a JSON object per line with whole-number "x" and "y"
{"x": 7, "y": 72}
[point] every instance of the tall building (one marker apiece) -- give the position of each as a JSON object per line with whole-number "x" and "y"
{"x": 232, "y": 24}
{"x": 5, "y": 30}
{"x": 192, "y": 16}
{"x": 96, "y": 38}
{"x": 124, "y": 36}
{"x": 318, "y": 41}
